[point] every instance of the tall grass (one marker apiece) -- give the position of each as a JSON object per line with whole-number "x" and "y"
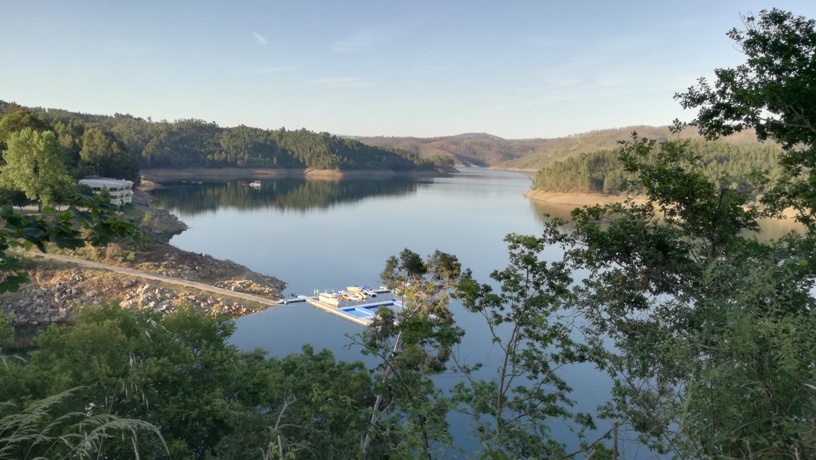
{"x": 44, "y": 430}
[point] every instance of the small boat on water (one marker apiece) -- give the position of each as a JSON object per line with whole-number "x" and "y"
{"x": 368, "y": 292}
{"x": 329, "y": 297}
{"x": 255, "y": 184}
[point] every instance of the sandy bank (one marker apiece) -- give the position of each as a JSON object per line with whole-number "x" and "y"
{"x": 578, "y": 200}
{"x": 575, "y": 199}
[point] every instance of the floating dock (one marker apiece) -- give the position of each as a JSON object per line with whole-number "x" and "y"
{"x": 360, "y": 313}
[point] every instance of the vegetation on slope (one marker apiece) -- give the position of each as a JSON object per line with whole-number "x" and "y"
{"x": 603, "y": 172}
{"x": 98, "y": 140}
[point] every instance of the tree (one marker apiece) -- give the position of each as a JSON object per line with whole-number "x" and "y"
{"x": 106, "y": 156}
{"x": 34, "y": 165}
{"x": 773, "y": 93}
{"x": 708, "y": 326}
{"x": 207, "y": 398}
{"x": 408, "y": 418}
{"x": 18, "y": 119}
{"x": 514, "y": 409}
{"x": 89, "y": 219}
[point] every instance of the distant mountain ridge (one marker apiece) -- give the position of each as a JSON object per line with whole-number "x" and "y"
{"x": 192, "y": 142}
{"x": 482, "y": 149}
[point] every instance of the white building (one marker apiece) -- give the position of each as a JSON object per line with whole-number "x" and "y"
{"x": 121, "y": 191}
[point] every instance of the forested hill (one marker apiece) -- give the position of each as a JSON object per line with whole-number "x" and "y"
{"x": 119, "y": 145}
{"x": 197, "y": 143}
{"x": 601, "y": 171}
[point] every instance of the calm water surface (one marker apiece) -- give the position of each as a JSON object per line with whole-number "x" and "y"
{"x": 329, "y": 235}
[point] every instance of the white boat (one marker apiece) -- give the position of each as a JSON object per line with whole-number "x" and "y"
{"x": 368, "y": 292}
{"x": 255, "y": 184}
{"x": 329, "y": 297}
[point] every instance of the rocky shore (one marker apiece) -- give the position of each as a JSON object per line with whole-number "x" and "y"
{"x": 57, "y": 290}
{"x": 58, "y": 293}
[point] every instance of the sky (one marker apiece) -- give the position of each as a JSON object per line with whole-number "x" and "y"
{"x": 514, "y": 69}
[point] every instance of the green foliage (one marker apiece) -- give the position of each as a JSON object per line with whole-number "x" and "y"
{"x": 106, "y": 156}
{"x": 409, "y": 415}
{"x": 603, "y": 172}
{"x": 6, "y": 332}
{"x": 89, "y": 219}
{"x": 17, "y": 119}
{"x": 34, "y": 165}
{"x": 772, "y": 92}
{"x": 207, "y": 399}
{"x": 514, "y": 411}
{"x": 707, "y": 325}
{"x": 116, "y": 146}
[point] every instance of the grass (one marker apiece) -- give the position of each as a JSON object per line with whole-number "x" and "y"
{"x": 44, "y": 430}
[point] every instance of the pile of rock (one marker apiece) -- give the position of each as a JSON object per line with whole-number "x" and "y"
{"x": 250, "y": 287}
{"x": 163, "y": 300}
{"x": 161, "y": 224}
{"x": 55, "y": 296}
{"x": 49, "y": 302}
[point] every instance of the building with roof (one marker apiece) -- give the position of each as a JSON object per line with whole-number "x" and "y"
{"x": 120, "y": 191}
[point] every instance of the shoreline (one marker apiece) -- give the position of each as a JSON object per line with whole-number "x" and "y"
{"x": 159, "y": 175}
{"x": 577, "y": 199}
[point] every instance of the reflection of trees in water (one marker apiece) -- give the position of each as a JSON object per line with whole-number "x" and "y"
{"x": 286, "y": 194}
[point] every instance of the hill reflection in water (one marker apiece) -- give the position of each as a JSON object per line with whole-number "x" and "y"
{"x": 284, "y": 194}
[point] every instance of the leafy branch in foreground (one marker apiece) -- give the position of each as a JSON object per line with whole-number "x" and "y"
{"x": 89, "y": 219}
{"x": 514, "y": 409}
{"x": 772, "y": 92}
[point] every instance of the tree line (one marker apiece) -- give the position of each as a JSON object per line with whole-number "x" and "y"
{"x": 143, "y": 143}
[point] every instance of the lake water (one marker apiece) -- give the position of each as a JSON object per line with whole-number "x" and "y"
{"x": 332, "y": 234}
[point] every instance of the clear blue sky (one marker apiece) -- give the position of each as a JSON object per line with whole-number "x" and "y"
{"x": 516, "y": 69}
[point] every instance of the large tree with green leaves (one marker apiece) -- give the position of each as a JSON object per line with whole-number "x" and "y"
{"x": 35, "y": 166}
{"x": 773, "y": 93}
{"x": 709, "y": 327}
{"x": 17, "y": 119}
{"x": 515, "y": 402}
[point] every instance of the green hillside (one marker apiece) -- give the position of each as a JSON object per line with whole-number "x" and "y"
{"x": 197, "y": 143}
{"x": 601, "y": 171}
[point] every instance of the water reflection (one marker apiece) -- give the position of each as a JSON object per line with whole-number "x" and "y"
{"x": 282, "y": 194}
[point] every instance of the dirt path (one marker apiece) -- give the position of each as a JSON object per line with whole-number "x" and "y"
{"x": 152, "y": 276}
